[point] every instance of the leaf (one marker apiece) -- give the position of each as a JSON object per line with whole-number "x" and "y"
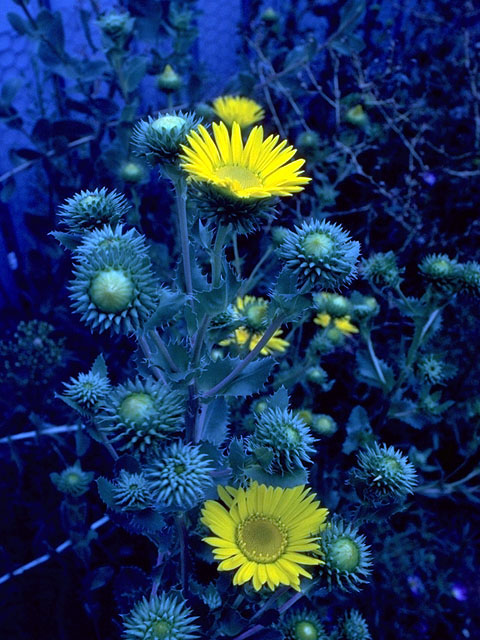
{"x": 279, "y": 400}
{"x": 20, "y": 25}
{"x": 71, "y": 129}
{"x": 28, "y": 154}
{"x": 288, "y": 480}
{"x": 216, "y": 420}
{"x": 264, "y": 456}
{"x": 367, "y": 372}
{"x": 248, "y": 382}
{"x": 106, "y": 492}
{"x": 9, "y": 89}
{"x": 169, "y": 304}
{"x": 359, "y": 430}
{"x": 99, "y": 367}
{"x": 65, "y": 239}
{"x": 51, "y": 26}
{"x": 236, "y": 455}
{"x": 134, "y": 70}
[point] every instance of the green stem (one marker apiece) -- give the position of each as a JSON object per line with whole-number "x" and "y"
{"x": 199, "y": 338}
{"x": 222, "y": 232}
{"x": 182, "y": 536}
{"x": 180, "y": 186}
{"x": 247, "y": 285}
{"x": 374, "y": 360}
{"x": 275, "y": 324}
{"x": 238, "y": 268}
{"x": 147, "y": 352}
{"x": 163, "y": 350}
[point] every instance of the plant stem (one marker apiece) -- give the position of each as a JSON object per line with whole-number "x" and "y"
{"x": 145, "y": 347}
{"x": 246, "y": 286}
{"x": 180, "y": 522}
{"x": 237, "y": 263}
{"x": 180, "y": 186}
{"x": 222, "y": 232}
{"x": 163, "y": 350}
{"x": 275, "y": 324}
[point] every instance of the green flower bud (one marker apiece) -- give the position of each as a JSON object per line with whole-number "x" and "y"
{"x": 308, "y": 143}
{"x": 469, "y": 278}
{"x": 321, "y": 255}
{"x": 303, "y": 625}
{"x": 381, "y": 269}
{"x": 332, "y": 303}
{"x": 317, "y": 375}
{"x": 89, "y": 210}
{"x": 87, "y": 389}
{"x": 132, "y": 491}
{"x": 288, "y": 438}
{"x": 278, "y": 235}
{"x": 352, "y": 626}
{"x": 357, "y": 116}
{"x": 270, "y": 16}
{"x": 383, "y": 475}
{"x": 324, "y": 425}
{"x": 364, "y": 307}
{"x": 441, "y": 272}
{"x": 159, "y": 139}
{"x": 163, "y": 617}
{"x": 169, "y": 81}
{"x": 433, "y": 369}
{"x": 132, "y": 172}
{"x": 179, "y": 475}
{"x": 346, "y": 556}
{"x": 139, "y": 415}
{"x": 73, "y": 481}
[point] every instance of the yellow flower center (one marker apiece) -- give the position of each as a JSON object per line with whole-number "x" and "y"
{"x": 391, "y": 464}
{"x": 73, "y": 478}
{"x": 136, "y": 407}
{"x": 317, "y": 245}
{"x": 261, "y": 538}
{"x": 245, "y": 178}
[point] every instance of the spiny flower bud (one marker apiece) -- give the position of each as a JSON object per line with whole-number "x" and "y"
{"x": 89, "y": 210}
{"x": 308, "y": 142}
{"x": 87, "y": 389}
{"x": 347, "y": 558}
{"x": 383, "y": 474}
{"x": 321, "y": 254}
{"x": 469, "y": 278}
{"x": 357, "y": 116}
{"x": 323, "y": 425}
{"x": 317, "y": 375}
{"x": 169, "y": 80}
{"x": 132, "y": 491}
{"x": 270, "y": 16}
{"x": 332, "y": 303}
{"x": 73, "y": 481}
{"x": 303, "y": 625}
{"x": 163, "y": 617}
{"x": 381, "y": 269}
{"x": 434, "y": 370}
{"x": 179, "y": 475}
{"x": 364, "y": 307}
{"x": 132, "y": 172}
{"x": 139, "y": 415}
{"x": 441, "y": 272}
{"x": 159, "y": 139}
{"x": 117, "y": 26}
{"x": 113, "y": 286}
{"x": 352, "y": 626}
{"x": 287, "y": 437}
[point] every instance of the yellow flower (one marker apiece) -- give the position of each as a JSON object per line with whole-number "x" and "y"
{"x": 257, "y": 170}
{"x": 264, "y": 533}
{"x": 244, "y": 337}
{"x": 232, "y": 109}
{"x": 343, "y": 324}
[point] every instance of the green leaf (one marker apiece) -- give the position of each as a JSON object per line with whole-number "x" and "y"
{"x": 99, "y": 367}
{"x": 236, "y": 455}
{"x": 106, "y": 492}
{"x": 213, "y": 301}
{"x": 264, "y": 456}
{"x": 216, "y": 420}
{"x": 20, "y": 25}
{"x": 50, "y": 25}
{"x": 279, "y": 400}
{"x": 359, "y": 430}
{"x": 367, "y": 372}
{"x": 286, "y": 481}
{"x": 248, "y": 382}
{"x": 135, "y": 69}
{"x": 10, "y": 89}
{"x": 67, "y": 240}
{"x": 169, "y": 304}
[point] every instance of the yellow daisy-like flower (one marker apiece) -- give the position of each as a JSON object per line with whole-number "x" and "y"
{"x": 232, "y": 109}
{"x": 265, "y": 533}
{"x": 243, "y": 337}
{"x": 259, "y": 169}
{"x": 343, "y": 324}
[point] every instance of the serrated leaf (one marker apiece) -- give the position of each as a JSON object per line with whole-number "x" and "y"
{"x": 134, "y": 71}
{"x": 236, "y": 455}
{"x": 279, "y": 400}
{"x": 106, "y": 492}
{"x": 216, "y": 420}
{"x": 367, "y": 372}
{"x": 214, "y": 301}
{"x": 169, "y": 304}
{"x": 293, "y": 479}
{"x": 65, "y": 239}
{"x": 99, "y": 367}
{"x": 248, "y": 382}
{"x": 264, "y": 456}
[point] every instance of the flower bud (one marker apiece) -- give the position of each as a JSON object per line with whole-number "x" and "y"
{"x": 169, "y": 81}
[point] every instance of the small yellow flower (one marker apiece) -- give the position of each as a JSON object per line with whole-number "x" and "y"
{"x": 260, "y": 169}
{"x": 265, "y": 533}
{"x": 243, "y": 337}
{"x": 232, "y": 109}
{"x": 343, "y": 324}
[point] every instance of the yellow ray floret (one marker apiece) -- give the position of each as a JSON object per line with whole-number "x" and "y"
{"x": 232, "y": 109}
{"x": 244, "y": 337}
{"x": 259, "y": 169}
{"x": 343, "y": 324}
{"x": 265, "y": 533}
